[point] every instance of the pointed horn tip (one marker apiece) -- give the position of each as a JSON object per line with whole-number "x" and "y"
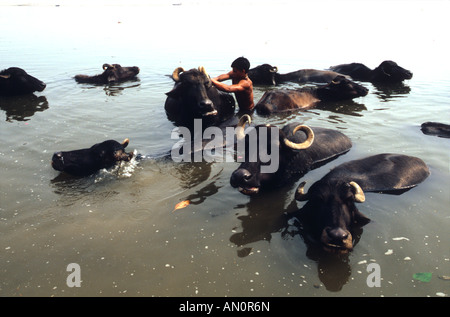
{"x": 359, "y": 193}
{"x": 240, "y": 134}
{"x": 300, "y": 194}
{"x": 176, "y": 73}
{"x": 246, "y": 119}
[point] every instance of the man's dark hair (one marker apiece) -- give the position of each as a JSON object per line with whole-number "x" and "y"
{"x": 241, "y": 63}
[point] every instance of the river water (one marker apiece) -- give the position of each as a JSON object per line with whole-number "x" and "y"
{"x": 120, "y": 225}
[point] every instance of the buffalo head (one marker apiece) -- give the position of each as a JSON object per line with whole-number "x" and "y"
{"x": 88, "y": 161}
{"x": 15, "y": 81}
{"x": 264, "y": 74}
{"x": 341, "y": 88}
{"x": 192, "y": 86}
{"x": 331, "y": 214}
{"x": 390, "y": 72}
{"x": 195, "y": 97}
{"x": 267, "y": 143}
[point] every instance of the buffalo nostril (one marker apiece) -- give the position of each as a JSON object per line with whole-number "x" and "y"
{"x": 239, "y": 176}
{"x": 206, "y": 104}
{"x": 337, "y": 234}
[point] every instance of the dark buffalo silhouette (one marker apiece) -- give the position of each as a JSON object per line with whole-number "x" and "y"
{"x": 88, "y": 161}
{"x": 15, "y": 81}
{"x": 111, "y": 73}
{"x": 280, "y": 100}
{"x": 300, "y": 149}
{"x": 436, "y": 128}
{"x": 194, "y": 97}
{"x": 330, "y": 214}
{"x": 267, "y": 74}
{"x": 386, "y": 72}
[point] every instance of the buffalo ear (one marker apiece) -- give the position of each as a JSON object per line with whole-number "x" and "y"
{"x": 360, "y": 218}
{"x": 175, "y": 92}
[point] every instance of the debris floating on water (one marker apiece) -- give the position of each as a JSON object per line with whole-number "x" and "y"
{"x": 182, "y": 204}
{"x": 423, "y": 276}
{"x": 400, "y": 238}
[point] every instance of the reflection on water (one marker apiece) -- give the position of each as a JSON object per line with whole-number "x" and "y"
{"x": 114, "y": 89}
{"x": 22, "y": 108}
{"x": 392, "y": 91}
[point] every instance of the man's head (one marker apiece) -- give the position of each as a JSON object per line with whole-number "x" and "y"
{"x": 241, "y": 63}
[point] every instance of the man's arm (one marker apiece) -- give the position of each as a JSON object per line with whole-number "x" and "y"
{"x": 222, "y": 77}
{"x": 227, "y": 88}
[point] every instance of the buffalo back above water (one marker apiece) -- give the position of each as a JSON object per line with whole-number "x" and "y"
{"x": 436, "y": 128}
{"x": 16, "y": 81}
{"x": 194, "y": 97}
{"x": 382, "y": 172}
{"x": 280, "y": 100}
{"x": 111, "y": 73}
{"x": 267, "y": 74}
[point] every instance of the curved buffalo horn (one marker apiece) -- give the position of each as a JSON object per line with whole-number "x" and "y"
{"x": 359, "y": 193}
{"x": 106, "y": 66}
{"x": 304, "y": 145}
{"x": 300, "y": 194}
{"x": 274, "y": 69}
{"x": 5, "y": 76}
{"x": 203, "y": 70}
{"x": 241, "y": 126}
{"x": 125, "y": 142}
{"x": 176, "y": 73}
{"x": 334, "y": 81}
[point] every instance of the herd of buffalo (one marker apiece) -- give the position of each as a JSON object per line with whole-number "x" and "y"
{"x": 330, "y": 211}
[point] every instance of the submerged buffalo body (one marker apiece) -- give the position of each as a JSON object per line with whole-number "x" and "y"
{"x": 111, "y": 73}
{"x": 194, "y": 97}
{"x": 266, "y": 74}
{"x": 16, "y": 81}
{"x": 386, "y": 72}
{"x": 88, "y": 161}
{"x": 300, "y": 149}
{"x": 330, "y": 213}
{"x": 280, "y": 100}
{"x": 435, "y": 128}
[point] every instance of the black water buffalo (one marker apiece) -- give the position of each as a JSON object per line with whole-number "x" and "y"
{"x": 435, "y": 128}
{"x": 88, "y": 161}
{"x": 15, "y": 81}
{"x": 194, "y": 97}
{"x": 340, "y": 88}
{"x": 330, "y": 213}
{"x": 266, "y": 74}
{"x": 111, "y": 73}
{"x": 387, "y": 72}
{"x": 297, "y": 149}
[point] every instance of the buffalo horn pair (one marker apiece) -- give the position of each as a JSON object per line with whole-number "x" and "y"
{"x": 296, "y": 146}
{"x": 300, "y": 195}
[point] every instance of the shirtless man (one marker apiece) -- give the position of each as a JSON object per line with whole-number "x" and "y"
{"x": 241, "y": 86}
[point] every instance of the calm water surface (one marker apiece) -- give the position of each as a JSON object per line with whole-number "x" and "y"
{"x": 120, "y": 225}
